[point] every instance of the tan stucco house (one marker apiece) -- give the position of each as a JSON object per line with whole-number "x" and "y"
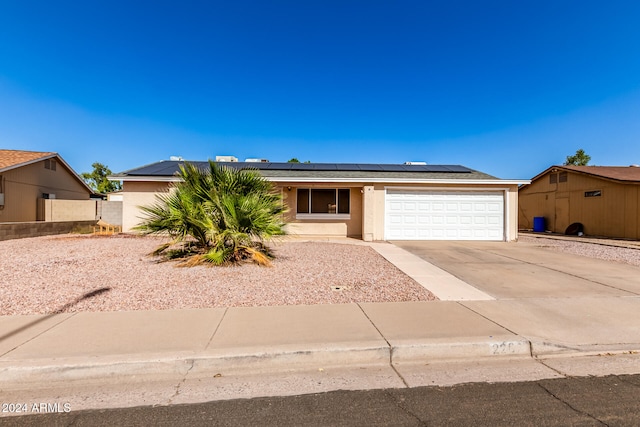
{"x": 367, "y": 201}
{"x": 604, "y": 199}
{"x": 28, "y": 177}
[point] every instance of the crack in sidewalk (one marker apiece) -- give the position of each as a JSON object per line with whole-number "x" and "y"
{"x": 557, "y": 371}
{"x": 29, "y": 325}
{"x": 217, "y": 327}
{"x": 192, "y": 362}
{"x": 461, "y": 303}
{"x": 388, "y": 344}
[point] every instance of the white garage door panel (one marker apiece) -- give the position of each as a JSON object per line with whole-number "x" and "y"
{"x": 440, "y": 215}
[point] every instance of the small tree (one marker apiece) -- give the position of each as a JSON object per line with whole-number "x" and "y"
{"x": 217, "y": 216}
{"x": 97, "y": 179}
{"x": 579, "y": 159}
{"x": 293, "y": 160}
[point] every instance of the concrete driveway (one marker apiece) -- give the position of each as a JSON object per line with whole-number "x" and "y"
{"x": 524, "y": 270}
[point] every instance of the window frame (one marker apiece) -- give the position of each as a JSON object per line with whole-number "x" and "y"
{"x": 330, "y": 216}
{"x": 50, "y": 164}
{"x": 563, "y": 177}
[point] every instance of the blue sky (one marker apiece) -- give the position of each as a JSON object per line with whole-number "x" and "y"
{"x": 506, "y": 87}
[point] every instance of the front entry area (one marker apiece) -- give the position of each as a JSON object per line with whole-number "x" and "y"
{"x": 444, "y": 215}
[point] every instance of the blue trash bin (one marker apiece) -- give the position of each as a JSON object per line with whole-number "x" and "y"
{"x": 538, "y": 224}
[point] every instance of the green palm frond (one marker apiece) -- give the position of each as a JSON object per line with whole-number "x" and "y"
{"x": 225, "y": 213}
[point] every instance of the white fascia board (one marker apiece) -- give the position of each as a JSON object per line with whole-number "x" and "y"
{"x": 345, "y": 180}
{"x": 404, "y": 181}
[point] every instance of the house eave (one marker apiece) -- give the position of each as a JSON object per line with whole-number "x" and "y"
{"x": 589, "y": 173}
{"x": 360, "y": 180}
{"x": 375, "y": 180}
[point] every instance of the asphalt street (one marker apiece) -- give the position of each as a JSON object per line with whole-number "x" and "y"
{"x": 586, "y": 401}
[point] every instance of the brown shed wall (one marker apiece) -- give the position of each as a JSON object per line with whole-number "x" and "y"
{"x": 613, "y": 214}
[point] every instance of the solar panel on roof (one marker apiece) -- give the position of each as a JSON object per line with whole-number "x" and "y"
{"x": 350, "y": 167}
{"x": 393, "y": 168}
{"x": 302, "y": 166}
{"x": 169, "y": 168}
{"x": 458, "y": 168}
{"x": 160, "y": 168}
{"x": 431, "y": 168}
{"x": 279, "y": 166}
{"x": 370, "y": 168}
{"x": 328, "y": 167}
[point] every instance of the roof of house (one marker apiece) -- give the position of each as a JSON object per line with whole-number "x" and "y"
{"x": 616, "y": 173}
{"x": 11, "y": 159}
{"x": 345, "y": 172}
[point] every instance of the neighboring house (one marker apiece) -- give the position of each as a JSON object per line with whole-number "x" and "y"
{"x": 604, "y": 199}
{"x": 27, "y": 177}
{"x": 368, "y": 201}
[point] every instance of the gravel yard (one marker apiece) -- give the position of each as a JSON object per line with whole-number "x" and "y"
{"x": 45, "y": 275}
{"x": 592, "y": 250}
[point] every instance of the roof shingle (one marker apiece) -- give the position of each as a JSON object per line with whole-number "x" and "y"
{"x": 15, "y": 158}
{"x": 619, "y": 173}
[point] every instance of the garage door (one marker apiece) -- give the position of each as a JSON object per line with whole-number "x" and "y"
{"x": 439, "y": 215}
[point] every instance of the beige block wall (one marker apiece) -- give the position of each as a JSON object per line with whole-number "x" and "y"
{"x": 68, "y": 210}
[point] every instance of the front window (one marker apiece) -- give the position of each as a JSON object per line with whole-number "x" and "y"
{"x": 323, "y": 201}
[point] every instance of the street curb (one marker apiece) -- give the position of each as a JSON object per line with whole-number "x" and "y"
{"x": 32, "y": 372}
{"x": 41, "y": 371}
{"x": 549, "y": 349}
{"x": 438, "y": 351}
{"x": 198, "y": 364}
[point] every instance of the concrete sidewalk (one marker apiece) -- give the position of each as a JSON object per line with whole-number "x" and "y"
{"x": 35, "y": 349}
{"x": 396, "y": 344}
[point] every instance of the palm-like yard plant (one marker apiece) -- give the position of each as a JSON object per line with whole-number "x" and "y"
{"x": 218, "y": 215}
